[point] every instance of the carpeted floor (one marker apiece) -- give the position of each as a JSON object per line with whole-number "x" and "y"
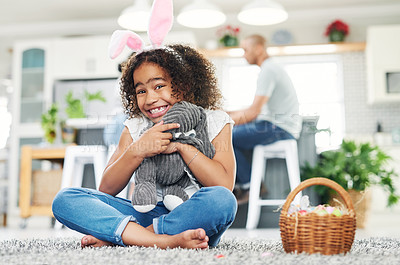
{"x": 230, "y": 251}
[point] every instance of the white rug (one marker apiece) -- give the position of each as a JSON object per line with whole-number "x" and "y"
{"x": 230, "y": 251}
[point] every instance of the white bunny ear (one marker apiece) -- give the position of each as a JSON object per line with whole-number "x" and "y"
{"x": 161, "y": 20}
{"x": 120, "y": 38}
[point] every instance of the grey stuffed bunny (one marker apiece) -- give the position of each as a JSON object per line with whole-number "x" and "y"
{"x": 170, "y": 170}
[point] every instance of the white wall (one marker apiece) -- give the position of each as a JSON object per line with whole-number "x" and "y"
{"x": 5, "y": 58}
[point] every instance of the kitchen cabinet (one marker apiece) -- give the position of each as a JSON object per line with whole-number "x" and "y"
{"x": 83, "y": 58}
{"x": 32, "y": 68}
{"x": 383, "y": 63}
{"x": 31, "y": 77}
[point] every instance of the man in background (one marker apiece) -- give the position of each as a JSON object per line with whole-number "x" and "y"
{"x": 273, "y": 115}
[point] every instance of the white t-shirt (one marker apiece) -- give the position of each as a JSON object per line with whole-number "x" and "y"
{"x": 216, "y": 121}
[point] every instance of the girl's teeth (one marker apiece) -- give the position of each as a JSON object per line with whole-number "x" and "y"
{"x": 153, "y": 111}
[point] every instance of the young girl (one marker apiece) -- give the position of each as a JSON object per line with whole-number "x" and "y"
{"x": 152, "y": 82}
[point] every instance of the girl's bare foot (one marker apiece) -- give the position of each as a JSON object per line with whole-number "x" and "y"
{"x": 91, "y": 241}
{"x": 136, "y": 235}
{"x": 192, "y": 239}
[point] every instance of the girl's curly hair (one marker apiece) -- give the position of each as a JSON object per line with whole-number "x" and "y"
{"x": 193, "y": 76}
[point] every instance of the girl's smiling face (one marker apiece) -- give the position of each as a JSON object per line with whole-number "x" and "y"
{"x": 153, "y": 91}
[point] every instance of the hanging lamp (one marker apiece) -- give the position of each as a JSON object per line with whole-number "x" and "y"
{"x": 262, "y": 12}
{"x": 135, "y": 17}
{"x": 201, "y": 14}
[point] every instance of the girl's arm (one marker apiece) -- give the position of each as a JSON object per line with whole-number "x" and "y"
{"x": 219, "y": 171}
{"x": 129, "y": 154}
{"x": 121, "y": 165}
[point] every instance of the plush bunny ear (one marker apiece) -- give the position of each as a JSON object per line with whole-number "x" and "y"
{"x": 120, "y": 38}
{"x": 161, "y": 20}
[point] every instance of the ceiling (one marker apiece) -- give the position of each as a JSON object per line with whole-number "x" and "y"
{"x": 34, "y": 11}
{"x": 25, "y": 19}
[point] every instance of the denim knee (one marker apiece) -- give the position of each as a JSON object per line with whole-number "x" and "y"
{"x": 61, "y": 199}
{"x": 222, "y": 203}
{"x": 58, "y": 200}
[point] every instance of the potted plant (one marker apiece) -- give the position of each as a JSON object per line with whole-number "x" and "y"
{"x": 75, "y": 110}
{"x": 49, "y": 121}
{"x": 228, "y": 36}
{"x": 337, "y": 31}
{"x": 75, "y": 107}
{"x": 355, "y": 167}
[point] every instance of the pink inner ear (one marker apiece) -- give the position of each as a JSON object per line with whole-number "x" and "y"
{"x": 161, "y": 20}
{"x": 120, "y": 38}
{"x": 134, "y": 43}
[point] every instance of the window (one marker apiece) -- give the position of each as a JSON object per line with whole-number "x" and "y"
{"x": 319, "y": 85}
{"x": 239, "y": 82}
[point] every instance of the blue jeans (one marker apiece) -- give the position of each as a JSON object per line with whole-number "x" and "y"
{"x": 105, "y": 217}
{"x": 245, "y": 137}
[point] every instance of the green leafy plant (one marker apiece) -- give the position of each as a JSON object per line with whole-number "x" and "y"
{"x": 75, "y": 107}
{"x": 49, "y": 121}
{"x": 354, "y": 166}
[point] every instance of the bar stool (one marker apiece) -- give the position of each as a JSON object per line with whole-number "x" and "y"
{"x": 75, "y": 159}
{"x": 286, "y": 149}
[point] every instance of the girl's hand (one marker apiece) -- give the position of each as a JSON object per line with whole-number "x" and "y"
{"x": 172, "y": 148}
{"x": 155, "y": 140}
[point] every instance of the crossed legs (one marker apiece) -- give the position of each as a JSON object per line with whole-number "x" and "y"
{"x": 108, "y": 220}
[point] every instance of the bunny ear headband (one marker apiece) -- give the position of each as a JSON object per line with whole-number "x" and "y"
{"x": 161, "y": 19}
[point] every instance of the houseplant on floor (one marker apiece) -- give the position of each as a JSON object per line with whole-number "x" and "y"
{"x": 355, "y": 167}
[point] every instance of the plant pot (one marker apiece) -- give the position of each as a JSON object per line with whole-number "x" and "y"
{"x": 362, "y": 204}
{"x": 229, "y": 41}
{"x": 336, "y": 36}
{"x": 50, "y": 135}
{"x": 68, "y": 133}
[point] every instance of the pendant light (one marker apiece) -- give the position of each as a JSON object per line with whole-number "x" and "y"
{"x": 262, "y": 12}
{"x": 201, "y": 14}
{"x": 136, "y": 17}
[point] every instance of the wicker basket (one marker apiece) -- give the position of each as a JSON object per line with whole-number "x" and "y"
{"x": 312, "y": 233}
{"x": 46, "y": 184}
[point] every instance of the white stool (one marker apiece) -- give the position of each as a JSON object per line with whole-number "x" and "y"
{"x": 76, "y": 157}
{"x": 286, "y": 149}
